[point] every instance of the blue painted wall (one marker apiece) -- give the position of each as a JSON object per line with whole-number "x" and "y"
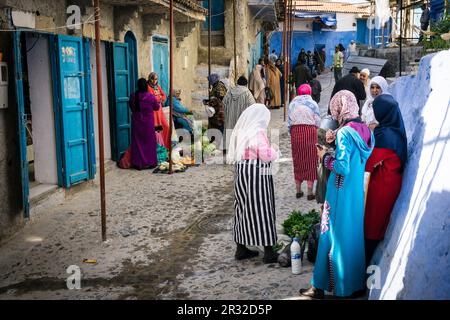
{"x": 308, "y": 40}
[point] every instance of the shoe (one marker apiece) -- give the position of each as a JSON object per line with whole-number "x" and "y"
{"x": 245, "y": 254}
{"x": 299, "y": 195}
{"x": 312, "y": 293}
{"x": 311, "y": 197}
{"x": 271, "y": 258}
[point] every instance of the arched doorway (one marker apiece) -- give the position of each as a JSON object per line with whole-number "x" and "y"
{"x": 130, "y": 39}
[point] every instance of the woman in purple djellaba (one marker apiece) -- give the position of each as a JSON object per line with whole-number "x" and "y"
{"x": 143, "y": 137}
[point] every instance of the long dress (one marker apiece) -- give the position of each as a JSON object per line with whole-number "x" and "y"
{"x": 160, "y": 118}
{"x": 340, "y": 262}
{"x": 273, "y": 82}
{"x": 303, "y": 122}
{"x": 384, "y": 187}
{"x": 143, "y": 137}
{"x": 254, "y": 221}
{"x": 257, "y": 85}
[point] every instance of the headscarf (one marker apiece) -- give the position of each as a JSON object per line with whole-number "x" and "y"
{"x": 303, "y": 110}
{"x": 213, "y": 78}
{"x": 252, "y": 121}
{"x": 304, "y": 89}
{"x": 257, "y": 84}
{"x": 366, "y": 71}
{"x": 382, "y": 83}
{"x": 344, "y": 106}
{"x": 390, "y": 132}
{"x": 151, "y": 76}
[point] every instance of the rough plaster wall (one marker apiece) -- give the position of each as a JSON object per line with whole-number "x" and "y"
{"x": 10, "y": 184}
{"x": 414, "y": 257}
{"x": 345, "y": 22}
{"x": 46, "y": 8}
{"x": 106, "y": 23}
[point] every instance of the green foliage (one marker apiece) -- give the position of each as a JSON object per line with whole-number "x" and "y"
{"x": 436, "y": 44}
{"x": 299, "y": 225}
{"x": 441, "y": 27}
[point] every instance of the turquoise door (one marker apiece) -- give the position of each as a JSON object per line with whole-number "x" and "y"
{"x": 73, "y": 110}
{"x": 120, "y": 113}
{"x": 361, "y": 26}
{"x": 218, "y": 15}
{"x": 161, "y": 62}
{"x": 18, "y": 75}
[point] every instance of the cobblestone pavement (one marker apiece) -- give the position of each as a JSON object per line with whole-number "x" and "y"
{"x": 169, "y": 237}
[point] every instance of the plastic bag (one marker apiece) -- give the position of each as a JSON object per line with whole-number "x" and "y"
{"x": 210, "y": 111}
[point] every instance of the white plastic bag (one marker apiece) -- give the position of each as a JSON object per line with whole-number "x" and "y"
{"x": 210, "y": 111}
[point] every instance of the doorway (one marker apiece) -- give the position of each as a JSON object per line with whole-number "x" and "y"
{"x": 39, "y": 113}
{"x": 161, "y": 61}
{"x": 130, "y": 39}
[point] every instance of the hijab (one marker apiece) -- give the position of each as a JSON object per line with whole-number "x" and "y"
{"x": 141, "y": 90}
{"x": 150, "y": 77}
{"x": 253, "y": 120}
{"x": 213, "y": 78}
{"x": 344, "y": 107}
{"x": 390, "y": 132}
{"x": 382, "y": 83}
{"x": 304, "y": 89}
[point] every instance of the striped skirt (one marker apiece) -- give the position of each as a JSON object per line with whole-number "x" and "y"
{"x": 304, "y": 152}
{"x": 254, "y": 220}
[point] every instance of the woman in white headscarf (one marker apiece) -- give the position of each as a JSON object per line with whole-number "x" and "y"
{"x": 252, "y": 155}
{"x": 378, "y": 86}
{"x": 364, "y": 77}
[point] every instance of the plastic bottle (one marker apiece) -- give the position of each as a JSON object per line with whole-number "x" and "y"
{"x": 296, "y": 261}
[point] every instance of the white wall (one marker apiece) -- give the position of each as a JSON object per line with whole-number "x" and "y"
{"x": 41, "y": 95}
{"x": 345, "y": 22}
{"x": 106, "y": 125}
{"x": 299, "y": 25}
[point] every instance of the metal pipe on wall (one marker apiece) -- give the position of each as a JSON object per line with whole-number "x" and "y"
{"x": 100, "y": 119}
{"x": 209, "y": 44}
{"x": 401, "y": 37}
{"x": 285, "y": 59}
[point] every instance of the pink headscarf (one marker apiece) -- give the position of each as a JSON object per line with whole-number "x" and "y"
{"x": 344, "y": 106}
{"x": 304, "y": 90}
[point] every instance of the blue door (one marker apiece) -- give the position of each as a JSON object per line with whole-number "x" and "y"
{"x": 361, "y": 27}
{"x": 18, "y": 75}
{"x": 218, "y": 15}
{"x": 161, "y": 62}
{"x": 73, "y": 111}
{"x": 121, "y": 95}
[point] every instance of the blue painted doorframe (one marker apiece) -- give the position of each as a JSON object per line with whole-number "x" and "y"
{"x": 18, "y": 75}
{"x": 130, "y": 39}
{"x": 218, "y": 15}
{"x": 161, "y": 62}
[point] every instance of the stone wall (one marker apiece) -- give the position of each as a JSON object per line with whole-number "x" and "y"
{"x": 409, "y": 54}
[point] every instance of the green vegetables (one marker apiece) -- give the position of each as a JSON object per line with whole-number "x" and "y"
{"x": 300, "y": 225}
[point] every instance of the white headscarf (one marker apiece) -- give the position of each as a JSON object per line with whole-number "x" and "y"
{"x": 367, "y": 113}
{"x": 382, "y": 83}
{"x": 252, "y": 121}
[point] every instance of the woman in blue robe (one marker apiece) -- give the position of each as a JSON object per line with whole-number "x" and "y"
{"x": 340, "y": 263}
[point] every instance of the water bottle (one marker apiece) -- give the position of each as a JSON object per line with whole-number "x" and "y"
{"x": 296, "y": 261}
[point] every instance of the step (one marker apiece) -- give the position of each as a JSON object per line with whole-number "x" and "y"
{"x": 201, "y": 71}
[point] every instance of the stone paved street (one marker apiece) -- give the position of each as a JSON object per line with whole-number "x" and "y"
{"x": 169, "y": 237}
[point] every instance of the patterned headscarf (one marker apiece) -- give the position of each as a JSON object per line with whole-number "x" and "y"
{"x": 344, "y": 106}
{"x": 213, "y": 78}
{"x": 151, "y": 76}
{"x": 304, "y": 90}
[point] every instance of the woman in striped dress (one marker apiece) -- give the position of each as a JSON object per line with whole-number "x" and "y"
{"x": 251, "y": 154}
{"x": 303, "y": 122}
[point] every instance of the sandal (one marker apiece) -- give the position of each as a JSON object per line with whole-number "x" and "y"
{"x": 311, "y": 197}
{"x": 312, "y": 293}
{"x": 299, "y": 195}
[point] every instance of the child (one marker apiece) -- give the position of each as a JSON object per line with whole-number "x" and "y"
{"x": 316, "y": 88}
